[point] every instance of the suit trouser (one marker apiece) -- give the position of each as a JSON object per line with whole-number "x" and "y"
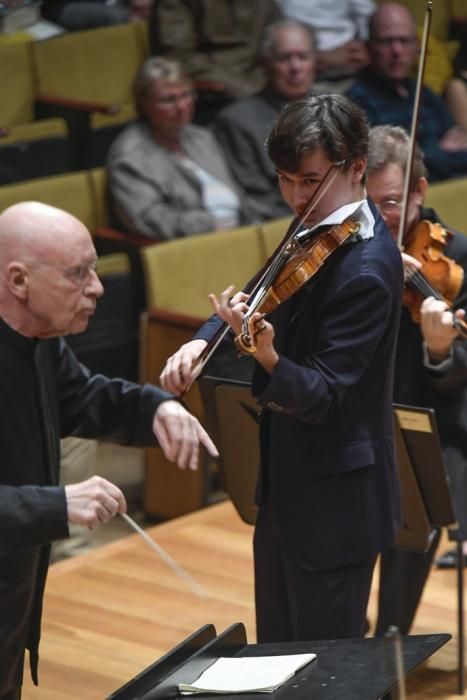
{"x": 298, "y": 604}
{"x": 12, "y": 695}
{"x": 402, "y": 579}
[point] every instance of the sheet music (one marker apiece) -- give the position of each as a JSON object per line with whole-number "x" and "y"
{"x": 257, "y": 674}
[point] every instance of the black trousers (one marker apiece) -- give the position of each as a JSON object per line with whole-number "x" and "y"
{"x": 402, "y": 579}
{"x": 298, "y": 604}
{"x": 12, "y": 695}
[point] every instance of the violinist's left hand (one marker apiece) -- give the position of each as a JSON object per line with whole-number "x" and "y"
{"x": 410, "y": 264}
{"x": 232, "y": 309}
{"x": 437, "y": 329}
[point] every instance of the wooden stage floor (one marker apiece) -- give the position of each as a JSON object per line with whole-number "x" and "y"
{"x": 111, "y": 612}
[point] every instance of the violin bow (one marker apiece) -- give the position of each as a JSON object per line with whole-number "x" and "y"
{"x": 272, "y": 267}
{"x": 414, "y": 125}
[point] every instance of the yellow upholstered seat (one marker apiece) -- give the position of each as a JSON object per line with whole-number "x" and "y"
{"x": 271, "y": 234}
{"x": 449, "y": 199}
{"x": 180, "y": 274}
{"x": 96, "y": 65}
{"x": 17, "y": 103}
{"x": 71, "y": 192}
{"x": 87, "y": 77}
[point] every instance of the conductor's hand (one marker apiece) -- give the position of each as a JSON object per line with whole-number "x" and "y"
{"x": 93, "y": 501}
{"x": 178, "y": 375}
{"x": 180, "y": 435}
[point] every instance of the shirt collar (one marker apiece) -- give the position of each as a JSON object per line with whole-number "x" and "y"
{"x": 358, "y": 211}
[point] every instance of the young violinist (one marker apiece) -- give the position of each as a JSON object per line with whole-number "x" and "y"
{"x": 327, "y": 491}
{"x": 431, "y": 363}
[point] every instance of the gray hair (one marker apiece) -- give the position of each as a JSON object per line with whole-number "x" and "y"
{"x": 267, "y": 47}
{"x": 391, "y": 144}
{"x": 153, "y": 70}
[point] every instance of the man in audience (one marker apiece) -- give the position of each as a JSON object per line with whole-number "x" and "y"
{"x": 431, "y": 364}
{"x": 217, "y": 41}
{"x": 386, "y": 92}
{"x": 288, "y": 55}
{"x": 49, "y": 288}
{"x": 341, "y": 30}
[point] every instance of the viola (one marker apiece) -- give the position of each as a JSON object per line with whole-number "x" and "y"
{"x": 439, "y": 277}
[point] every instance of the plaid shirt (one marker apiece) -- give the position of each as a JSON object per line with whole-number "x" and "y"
{"x": 383, "y": 105}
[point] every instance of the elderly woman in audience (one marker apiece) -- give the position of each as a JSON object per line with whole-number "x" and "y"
{"x": 168, "y": 177}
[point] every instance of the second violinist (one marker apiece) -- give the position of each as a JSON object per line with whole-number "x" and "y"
{"x": 328, "y": 496}
{"x": 431, "y": 365}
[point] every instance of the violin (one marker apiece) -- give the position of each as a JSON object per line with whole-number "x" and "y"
{"x": 439, "y": 277}
{"x": 297, "y": 257}
{"x": 306, "y": 254}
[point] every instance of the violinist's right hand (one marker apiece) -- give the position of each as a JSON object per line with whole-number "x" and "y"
{"x": 177, "y": 375}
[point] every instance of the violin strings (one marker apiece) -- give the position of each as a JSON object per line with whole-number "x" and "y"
{"x": 421, "y": 284}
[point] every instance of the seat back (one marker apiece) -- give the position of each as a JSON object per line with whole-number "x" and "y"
{"x": 98, "y": 178}
{"x": 96, "y": 65}
{"x": 448, "y": 198}
{"x": 272, "y": 232}
{"x": 16, "y": 72}
{"x": 71, "y": 192}
{"x": 180, "y": 274}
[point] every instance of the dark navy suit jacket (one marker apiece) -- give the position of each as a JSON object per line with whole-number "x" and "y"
{"x": 327, "y": 449}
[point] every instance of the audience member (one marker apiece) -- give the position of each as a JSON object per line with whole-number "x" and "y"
{"x": 289, "y": 59}
{"x": 431, "y": 366}
{"x": 386, "y": 91}
{"x": 217, "y": 42}
{"x": 49, "y": 288}
{"x": 341, "y": 30}
{"x": 167, "y": 177}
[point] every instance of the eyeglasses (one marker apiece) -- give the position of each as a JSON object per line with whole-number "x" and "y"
{"x": 171, "y": 100}
{"x": 80, "y": 274}
{"x": 389, "y": 207}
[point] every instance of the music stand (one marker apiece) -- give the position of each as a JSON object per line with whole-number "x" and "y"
{"x": 232, "y": 415}
{"x": 425, "y": 497}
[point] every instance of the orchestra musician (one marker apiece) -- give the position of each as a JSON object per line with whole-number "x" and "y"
{"x": 327, "y": 491}
{"x": 431, "y": 363}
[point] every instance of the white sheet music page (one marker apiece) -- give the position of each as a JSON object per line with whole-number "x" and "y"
{"x": 254, "y": 674}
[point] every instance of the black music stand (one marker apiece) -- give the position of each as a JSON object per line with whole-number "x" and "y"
{"x": 232, "y": 416}
{"x": 425, "y": 496}
{"x": 355, "y": 669}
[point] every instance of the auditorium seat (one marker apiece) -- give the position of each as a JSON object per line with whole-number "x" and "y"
{"x": 87, "y": 72}
{"x": 27, "y": 148}
{"x": 449, "y": 200}
{"x": 70, "y": 191}
{"x": 37, "y": 149}
{"x": 179, "y": 275}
